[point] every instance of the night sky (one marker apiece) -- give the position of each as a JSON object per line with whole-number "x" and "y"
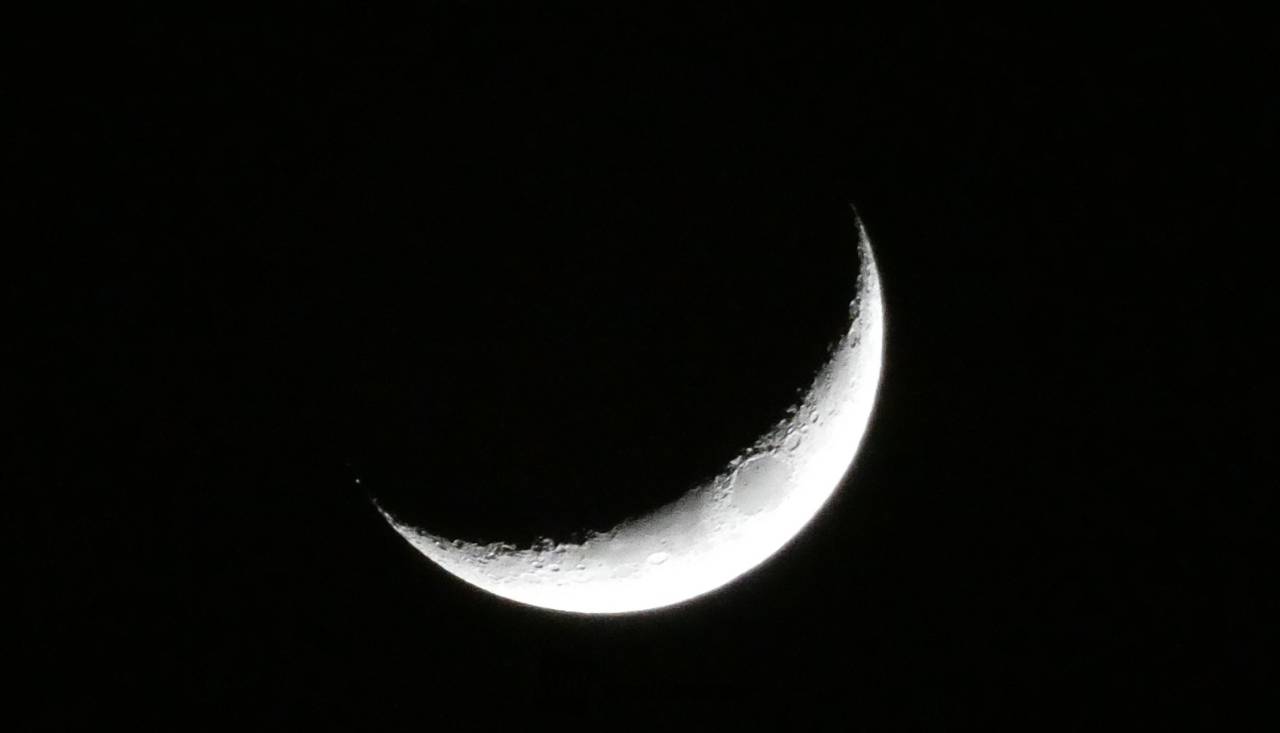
{"x": 519, "y": 275}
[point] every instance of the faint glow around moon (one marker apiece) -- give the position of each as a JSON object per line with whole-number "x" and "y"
{"x": 716, "y": 531}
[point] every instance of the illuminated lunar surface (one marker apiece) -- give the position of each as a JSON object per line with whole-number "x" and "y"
{"x": 718, "y": 530}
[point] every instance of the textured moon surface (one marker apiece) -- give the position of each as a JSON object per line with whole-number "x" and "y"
{"x": 718, "y": 530}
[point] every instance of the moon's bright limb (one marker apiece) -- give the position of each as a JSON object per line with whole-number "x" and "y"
{"x": 717, "y": 531}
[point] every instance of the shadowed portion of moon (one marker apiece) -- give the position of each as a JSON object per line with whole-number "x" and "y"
{"x": 553, "y": 367}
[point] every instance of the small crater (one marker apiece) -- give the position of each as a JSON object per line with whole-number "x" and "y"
{"x": 793, "y": 441}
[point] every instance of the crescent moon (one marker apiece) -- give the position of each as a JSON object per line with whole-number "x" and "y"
{"x": 717, "y": 531}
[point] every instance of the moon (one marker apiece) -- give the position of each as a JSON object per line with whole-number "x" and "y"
{"x": 718, "y": 530}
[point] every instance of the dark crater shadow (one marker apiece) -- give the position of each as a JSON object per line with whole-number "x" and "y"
{"x": 531, "y": 315}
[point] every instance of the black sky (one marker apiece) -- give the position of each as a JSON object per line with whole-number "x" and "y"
{"x": 571, "y": 257}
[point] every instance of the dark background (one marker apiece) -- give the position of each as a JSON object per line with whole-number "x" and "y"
{"x": 522, "y": 274}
